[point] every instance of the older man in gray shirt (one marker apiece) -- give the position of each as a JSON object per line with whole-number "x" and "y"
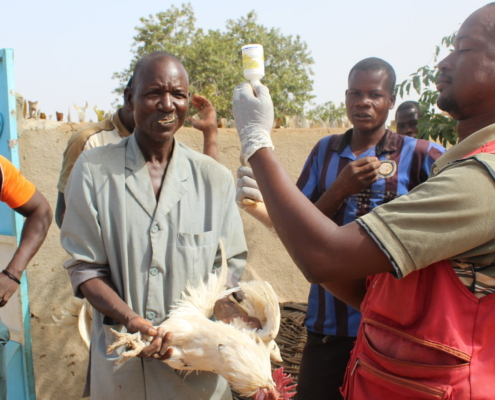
{"x": 143, "y": 218}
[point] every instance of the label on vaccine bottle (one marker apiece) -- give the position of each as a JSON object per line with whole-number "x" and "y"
{"x": 253, "y": 61}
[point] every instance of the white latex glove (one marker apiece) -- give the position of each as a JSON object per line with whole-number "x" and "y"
{"x": 253, "y": 114}
{"x": 248, "y": 191}
{"x": 249, "y": 198}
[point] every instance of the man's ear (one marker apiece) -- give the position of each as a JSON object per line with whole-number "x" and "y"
{"x": 392, "y": 101}
{"x": 128, "y": 99}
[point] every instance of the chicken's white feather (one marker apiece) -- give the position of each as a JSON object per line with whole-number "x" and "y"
{"x": 261, "y": 302}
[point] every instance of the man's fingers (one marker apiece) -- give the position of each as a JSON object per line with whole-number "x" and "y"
{"x": 6, "y": 294}
{"x": 165, "y": 344}
{"x": 200, "y": 102}
{"x": 243, "y": 91}
{"x": 246, "y": 181}
{"x": 245, "y": 171}
{"x": 370, "y": 166}
{"x": 148, "y": 330}
{"x": 261, "y": 91}
{"x": 248, "y": 193}
{"x": 364, "y": 161}
{"x": 151, "y": 349}
{"x": 155, "y": 345}
{"x": 166, "y": 356}
{"x": 369, "y": 175}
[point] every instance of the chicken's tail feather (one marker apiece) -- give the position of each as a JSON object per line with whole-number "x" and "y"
{"x": 261, "y": 302}
{"x": 77, "y": 311}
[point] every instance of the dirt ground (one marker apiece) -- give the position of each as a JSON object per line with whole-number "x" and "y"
{"x": 60, "y": 357}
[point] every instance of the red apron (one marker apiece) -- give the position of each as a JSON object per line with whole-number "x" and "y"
{"x": 425, "y": 336}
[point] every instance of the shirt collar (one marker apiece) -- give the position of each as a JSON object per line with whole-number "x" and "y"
{"x": 461, "y": 149}
{"x": 135, "y": 159}
{"x": 121, "y": 129}
{"x": 387, "y": 144}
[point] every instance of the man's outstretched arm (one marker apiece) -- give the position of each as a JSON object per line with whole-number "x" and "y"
{"x": 323, "y": 251}
{"x": 352, "y": 291}
{"x": 38, "y": 219}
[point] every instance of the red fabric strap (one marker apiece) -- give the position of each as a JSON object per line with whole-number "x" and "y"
{"x": 486, "y": 148}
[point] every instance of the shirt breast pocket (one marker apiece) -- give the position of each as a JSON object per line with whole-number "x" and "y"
{"x": 198, "y": 252}
{"x": 196, "y": 240}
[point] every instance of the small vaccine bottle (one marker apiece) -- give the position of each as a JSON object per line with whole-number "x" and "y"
{"x": 253, "y": 62}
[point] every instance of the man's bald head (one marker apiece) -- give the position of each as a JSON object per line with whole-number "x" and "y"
{"x": 467, "y": 79}
{"x": 145, "y": 62}
{"x": 490, "y": 27}
{"x": 159, "y": 96}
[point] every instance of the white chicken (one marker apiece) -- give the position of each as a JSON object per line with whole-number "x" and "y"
{"x": 235, "y": 351}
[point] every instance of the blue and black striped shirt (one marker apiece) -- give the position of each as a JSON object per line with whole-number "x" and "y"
{"x": 410, "y": 162}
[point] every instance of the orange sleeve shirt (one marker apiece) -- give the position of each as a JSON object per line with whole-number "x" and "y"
{"x": 15, "y": 189}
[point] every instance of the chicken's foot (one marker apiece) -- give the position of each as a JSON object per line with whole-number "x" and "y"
{"x": 131, "y": 340}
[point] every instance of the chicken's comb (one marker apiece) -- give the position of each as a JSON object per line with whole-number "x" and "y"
{"x": 282, "y": 382}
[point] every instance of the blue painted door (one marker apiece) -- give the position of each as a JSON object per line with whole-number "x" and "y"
{"x": 16, "y": 313}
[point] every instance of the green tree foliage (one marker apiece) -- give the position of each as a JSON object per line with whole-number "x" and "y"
{"x": 328, "y": 112}
{"x": 213, "y": 58}
{"x": 433, "y": 124}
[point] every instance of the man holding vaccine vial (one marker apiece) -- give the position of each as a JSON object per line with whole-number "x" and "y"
{"x": 346, "y": 176}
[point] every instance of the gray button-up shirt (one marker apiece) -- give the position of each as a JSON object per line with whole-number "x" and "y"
{"x": 115, "y": 227}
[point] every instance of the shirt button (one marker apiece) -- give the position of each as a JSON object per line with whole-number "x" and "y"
{"x": 150, "y": 315}
{"x": 435, "y": 170}
{"x": 154, "y": 229}
{"x": 153, "y": 271}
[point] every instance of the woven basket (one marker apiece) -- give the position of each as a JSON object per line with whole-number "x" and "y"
{"x": 291, "y": 339}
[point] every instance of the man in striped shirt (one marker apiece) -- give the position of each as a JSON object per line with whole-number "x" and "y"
{"x": 347, "y": 176}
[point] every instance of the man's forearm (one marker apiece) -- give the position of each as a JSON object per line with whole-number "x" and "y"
{"x": 34, "y": 231}
{"x": 330, "y": 201}
{"x": 103, "y": 296}
{"x": 322, "y": 251}
{"x": 210, "y": 145}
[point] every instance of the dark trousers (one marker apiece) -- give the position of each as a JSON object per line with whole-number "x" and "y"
{"x": 4, "y": 338}
{"x": 323, "y": 365}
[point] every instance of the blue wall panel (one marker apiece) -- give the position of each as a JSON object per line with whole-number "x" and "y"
{"x": 20, "y": 361}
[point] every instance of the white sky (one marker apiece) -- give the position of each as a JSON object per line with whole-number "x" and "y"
{"x": 67, "y": 51}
